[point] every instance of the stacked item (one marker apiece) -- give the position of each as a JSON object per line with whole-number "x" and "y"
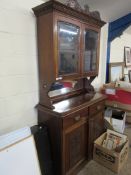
{"x": 115, "y": 119}
{"x": 118, "y": 95}
{"x": 114, "y": 141}
{"x": 111, "y": 150}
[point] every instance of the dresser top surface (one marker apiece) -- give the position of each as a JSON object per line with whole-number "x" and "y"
{"x": 78, "y": 102}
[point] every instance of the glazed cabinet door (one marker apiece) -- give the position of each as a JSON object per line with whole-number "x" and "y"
{"x": 90, "y": 51}
{"x": 96, "y": 128}
{"x": 68, "y": 47}
{"x": 75, "y": 147}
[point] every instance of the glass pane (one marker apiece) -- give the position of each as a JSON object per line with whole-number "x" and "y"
{"x": 90, "y": 53}
{"x": 68, "y": 48}
{"x": 68, "y": 62}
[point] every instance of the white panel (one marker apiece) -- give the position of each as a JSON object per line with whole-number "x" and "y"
{"x": 14, "y": 136}
{"x": 97, "y": 83}
{"x": 18, "y": 64}
{"x": 15, "y": 68}
{"x": 19, "y": 5}
{"x": 21, "y": 103}
{"x": 15, "y": 44}
{"x": 117, "y": 49}
{"x": 18, "y": 120}
{"x": 2, "y": 108}
{"x": 20, "y": 159}
{"x": 16, "y": 85}
{"x": 9, "y": 22}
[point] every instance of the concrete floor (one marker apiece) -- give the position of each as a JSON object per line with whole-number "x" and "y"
{"x": 93, "y": 168}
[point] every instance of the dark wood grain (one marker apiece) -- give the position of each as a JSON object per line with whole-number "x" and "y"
{"x": 61, "y": 8}
{"x": 60, "y": 17}
{"x": 95, "y": 29}
{"x": 93, "y": 109}
{"x": 45, "y": 56}
{"x": 77, "y": 102}
{"x": 74, "y": 119}
{"x": 75, "y": 149}
{"x": 96, "y": 128}
{"x": 48, "y": 16}
{"x": 54, "y": 125}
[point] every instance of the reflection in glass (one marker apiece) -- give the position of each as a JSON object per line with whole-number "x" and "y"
{"x": 60, "y": 88}
{"x": 68, "y": 48}
{"x": 65, "y": 87}
{"x": 90, "y": 53}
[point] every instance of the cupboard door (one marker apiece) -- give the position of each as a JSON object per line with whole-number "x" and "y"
{"x": 96, "y": 128}
{"x": 91, "y": 51}
{"x": 75, "y": 146}
{"x": 68, "y": 38}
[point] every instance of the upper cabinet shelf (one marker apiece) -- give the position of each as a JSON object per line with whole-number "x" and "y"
{"x": 90, "y": 50}
{"x": 68, "y": 47}
{"x": 77, "y": 48}
{"x": 68, "y": 44}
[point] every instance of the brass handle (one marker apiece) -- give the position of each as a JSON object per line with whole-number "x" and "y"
{"x": 98, "y": 107}
{"x": 77, "y": 118}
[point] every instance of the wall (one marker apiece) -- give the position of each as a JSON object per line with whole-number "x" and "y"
{"x": 100, "y": 80}
{"x": 18, "y": 65}
{"x": 117, "y": 47}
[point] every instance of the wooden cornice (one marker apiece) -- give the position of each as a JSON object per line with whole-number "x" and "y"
{"x": 51, "y": 6}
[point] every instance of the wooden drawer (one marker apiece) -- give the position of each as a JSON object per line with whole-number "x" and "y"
{"x": 74, "y": 118}
{"x": 96, "y": 107}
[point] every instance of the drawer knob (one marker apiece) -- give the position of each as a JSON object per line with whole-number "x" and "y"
{"x": 77, "y": 118}
{"x": 98, "y": 107}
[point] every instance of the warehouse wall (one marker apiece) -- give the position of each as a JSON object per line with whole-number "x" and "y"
{"x": 100, "y": 80}
{"x": 18, "y": 65}
{"x": 117, "y": 48}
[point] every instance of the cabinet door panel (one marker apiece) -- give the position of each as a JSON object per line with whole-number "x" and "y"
{"x": 96, "y": 128}
{"x": 68, "y": 34}
{"x": 75, "y": 146}
{"x": 68, "y": 48}
{"x": 91, "y": 50}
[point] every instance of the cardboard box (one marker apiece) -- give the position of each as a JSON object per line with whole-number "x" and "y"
{"x": 110, "y": 158}
{"x": 117, "y": 124}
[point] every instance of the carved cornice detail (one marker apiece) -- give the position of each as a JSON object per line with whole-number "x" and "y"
{"x": 57, "y": 6}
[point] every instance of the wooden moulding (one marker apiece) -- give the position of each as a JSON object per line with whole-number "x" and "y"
{"x": 57, "y": 6}
{"x": 47, "y": 16}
